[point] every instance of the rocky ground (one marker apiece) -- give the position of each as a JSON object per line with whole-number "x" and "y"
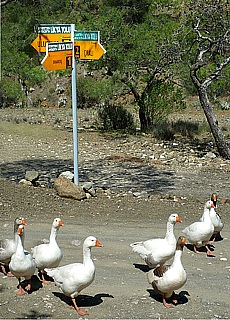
{"x": 139, "y": 182}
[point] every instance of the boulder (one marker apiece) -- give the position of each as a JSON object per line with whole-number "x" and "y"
{"x": 67, "y": 189}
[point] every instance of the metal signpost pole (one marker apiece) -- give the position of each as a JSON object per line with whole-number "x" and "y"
{"x": 74, "y": 109}
{"x": 54, "y": 41}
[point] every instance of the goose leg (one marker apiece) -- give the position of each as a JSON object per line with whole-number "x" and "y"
{"x": 174, "y": 297}
{"x": 209, "y": 252}
{"x": 166, "y": 304}
{"x": 20, "y": 291}
{"x": 195, "y": 250}
{"x": 8, "y": 274}
{"x": 28, "y": 287}
{"x": 81, "y": 312}
{"x": 43, "y": 278}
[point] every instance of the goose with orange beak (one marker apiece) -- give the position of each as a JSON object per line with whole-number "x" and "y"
{"x": 159, "y": 250}
{"x": 48, "y": 255}
{"x": 75, "y": 277}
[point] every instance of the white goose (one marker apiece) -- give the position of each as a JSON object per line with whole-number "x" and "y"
{"x": 165, "y": 279}
{"x": 159, "y": 250}
{"x": 8, "y": 246}
{"x": 215, "y": 218}
{"x": 48, "y": 255}
{"x": 22, "y": 264}
{"x": 198, "y": 233}
{"x": 73, "y": 278}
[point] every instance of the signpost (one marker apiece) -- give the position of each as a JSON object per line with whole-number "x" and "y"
{"x": 51, "y": 33}
{"x": 58, "y": 56}
{"x": 88, "y": 50}
{"x": 63, "y": 45}
{"x": 74, "y": 109}
{"x": 86, "y": 35}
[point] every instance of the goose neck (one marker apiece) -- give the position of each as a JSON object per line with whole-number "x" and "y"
{"x": 206, "y": 215}
{"x": 177, "y": 258}
{"x": 169, "y": 231}
{"x": 53, "y": 234}
{"x": 20, "y": 238}
{"x": 87, "y": 259}
{"x": 20, "y": 248}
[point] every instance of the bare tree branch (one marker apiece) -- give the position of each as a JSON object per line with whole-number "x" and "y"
{"x": 217, "y": 72}
{"x": 5, "y": 2}
{"x": 196, "y": 29}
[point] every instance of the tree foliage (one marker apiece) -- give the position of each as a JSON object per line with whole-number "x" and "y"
{"x": 151, "y": 48}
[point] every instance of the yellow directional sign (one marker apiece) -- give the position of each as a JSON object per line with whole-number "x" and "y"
{"x": 51, "y": 33}
{"x": 39, "y": 43}
{"x": 88, "y": 50}
{"x": 58, "y": 56}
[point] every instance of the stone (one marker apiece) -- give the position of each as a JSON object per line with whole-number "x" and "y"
{"x": 88, "y": 195}
{"x": 62, "y": 102}
{"x": 88, "y": 185}
{"x": 210, "y": 155}
{"x": 67, "y": 189}
{"x": 68, "y": 175}
{"x": 25, "y": 182}
{"x": 59, "y": 89}
{"x": 88, "y": 188}
{"x": 31, "y": 175}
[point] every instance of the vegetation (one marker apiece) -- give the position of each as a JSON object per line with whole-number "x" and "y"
{"x": 114, "y": 117}
{"x": 158, "y": 51}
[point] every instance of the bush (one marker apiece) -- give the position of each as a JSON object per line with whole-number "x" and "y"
{"x": 92, "y": 92}
{"x": 163, "y": 130}
{"x": 114, "y": 117}
{"x": 11, "y": 92}
{"x": 168, "y": 130}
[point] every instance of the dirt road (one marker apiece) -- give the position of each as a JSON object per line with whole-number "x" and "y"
{"x": 120, "y": 289}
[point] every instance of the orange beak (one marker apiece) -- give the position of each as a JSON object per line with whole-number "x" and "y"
{"x": 214, "y": 199}
{"x": 183, "y": 240}
{"x": 178, "y": 219}
{"x": 24, "y": 223}
{"x": 60, "y": 223}
{"x": 98, "y": 244}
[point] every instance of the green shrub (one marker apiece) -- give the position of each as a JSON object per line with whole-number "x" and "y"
{"x": 114, "y": 117}
{"x": 92, "y": 92}
{"x": 163, "y": 130}
{"x": 11, "y": 92}
{"x": 168, "y": 130}
{"x": 185, "y": 128}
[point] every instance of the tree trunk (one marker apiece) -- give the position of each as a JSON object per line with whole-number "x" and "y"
{"x": 29, "y": 102}
{"x": 144, "y": 117}
{"x": 213, "y": 123}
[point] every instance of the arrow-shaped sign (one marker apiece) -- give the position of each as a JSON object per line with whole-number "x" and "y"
{"x": 51, "y": 33}
{"x": 58, "y": 56}
{"x": 88, "y": 50}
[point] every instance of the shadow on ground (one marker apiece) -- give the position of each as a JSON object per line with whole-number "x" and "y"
{"x": 181, "y": 297}
{"x": 103, "y": 173}
{"x": 83, "y": 300}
